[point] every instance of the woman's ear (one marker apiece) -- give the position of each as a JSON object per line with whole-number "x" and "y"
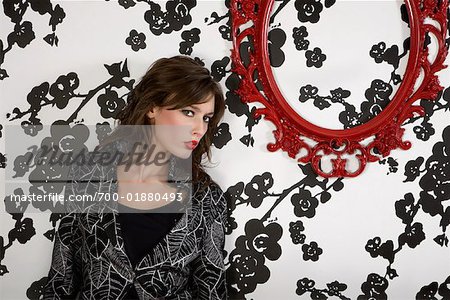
{"x": 151, "y": 113}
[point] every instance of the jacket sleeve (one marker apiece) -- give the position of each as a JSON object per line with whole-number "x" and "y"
{"x": 208, "y": 273}
{"x": 64, "y": 277}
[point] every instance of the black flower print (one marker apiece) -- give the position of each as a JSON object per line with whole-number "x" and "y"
{"x": 308, "y": 10}
{"x": 304, "y": 204}
{"x": 424, "y": 131}
{"x": 315, "y": 58}
{"x": 51, "y": 39}
{"x": 413, "y": 235}
{"x": 377, "y": 52}
{"x": 30, "y": 128}
{"x": 36, "y": 290}
{"x": 307, "y": 92}
{"x": 437, "y": 176}
{"x": 428, "y": 291}
{"x": 50, "y": 172}
{"x": 444, "y": 288}
{"x": 221, "y": 135}
{"x": 247, "y": 267}
{"x": 412, "y": 169}
{"x": 127, "y": 3}
{"x": 295, "y": 229}
{"x": 102, "y": 130}
{"x": 349, "y": 117}
{"x": 218, "y": 68}
{"x": 190, "y": 38}
{"x": 335, "y": 288}
{"x": 42, "y": 6}
{"x": 318, "y": 295}
{"x": 68, "y": 139}
{"x": 264, "y": 239}
{"x": 276, "y": 40}
{"x": 2, "y": 161}
{"x": 311, "y": 251}
{"x": 374, "y": 288}
{"x": 43, "y": 205}
{"x": 225, "y": 31}
{"x": 392, "y": 163}
{"x": 178, "y": 13}
{"x": 22, "y": 164}
{"x": 15, "y": 9}
{"x": 303, "y": 285}
{"x": 258, "y": 188}
{"x": 63, "y": 89}
{"x": 436, "y": 179}
{"x": 385, "y": 250}
{"x": 445, "y": 96}
{"x": 379, "y": 90}
{"x": 156, "y": 19}
{"x": 302, "y": 45}
{"x": 110, "y": 104}
{"x": 430, "y": 204}
{"x": 14, "y": 207}
{"x": 57, "y": 16}
{"x": 233, "y": 196}
{"x": 299, "y": 34}
{"x": 235, "y": 105}
{"x": 445, "y": 220}
{"x": 391, "y": 56}
{"x": 38, "y": 96}
{"x": 230, "y": 225}
{"x": 136, "y": 40}
{"x": 22, "y": 35}
{"x": 441, "y": 240}
{"x": 378, "y": 98}
{"x": 406, "y": 209}
{"x": 321, "y": 103}
{"x": 373, "y": 246}
{"x": 3, "y": 73}
{"x": 23, "y": 231}
{"x": 338, "y": 95}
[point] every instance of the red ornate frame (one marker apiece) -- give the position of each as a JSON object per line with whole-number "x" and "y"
{"x": 292, "y": 129}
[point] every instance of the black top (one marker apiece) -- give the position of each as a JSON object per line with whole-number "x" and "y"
{"x": 142, "y": 230}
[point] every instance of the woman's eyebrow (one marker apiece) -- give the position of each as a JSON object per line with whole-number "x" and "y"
{"x": 198, "y": 110}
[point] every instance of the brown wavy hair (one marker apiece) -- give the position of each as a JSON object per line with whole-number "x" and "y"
{"x": 174, "y": 83}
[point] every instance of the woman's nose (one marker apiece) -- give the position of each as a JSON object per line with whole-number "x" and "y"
{"x": 199, "y": 128}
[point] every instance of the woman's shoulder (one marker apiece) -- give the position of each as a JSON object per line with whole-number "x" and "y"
{"x": 208, "y": 188}
{"x": 215, "y": 190}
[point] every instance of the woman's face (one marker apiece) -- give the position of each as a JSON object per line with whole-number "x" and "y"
{"x": 179, "y": 131}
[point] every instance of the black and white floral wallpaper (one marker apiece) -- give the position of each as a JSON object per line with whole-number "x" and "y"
{"x": 290, "y": 234}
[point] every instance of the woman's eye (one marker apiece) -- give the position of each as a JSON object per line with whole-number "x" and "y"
{"x": 207, "y": 119}
{"x": 187, "y": 112}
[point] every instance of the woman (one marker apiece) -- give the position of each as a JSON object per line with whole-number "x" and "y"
{"x": 149, "y": 249}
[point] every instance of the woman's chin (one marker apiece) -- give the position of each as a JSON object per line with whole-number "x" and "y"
{"x": 183, "y": 154}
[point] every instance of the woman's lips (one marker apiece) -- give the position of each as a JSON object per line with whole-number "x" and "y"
{"x": 191, "y": 145}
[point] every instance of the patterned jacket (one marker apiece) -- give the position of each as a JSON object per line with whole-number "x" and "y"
{"x": 89, "y": 259}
